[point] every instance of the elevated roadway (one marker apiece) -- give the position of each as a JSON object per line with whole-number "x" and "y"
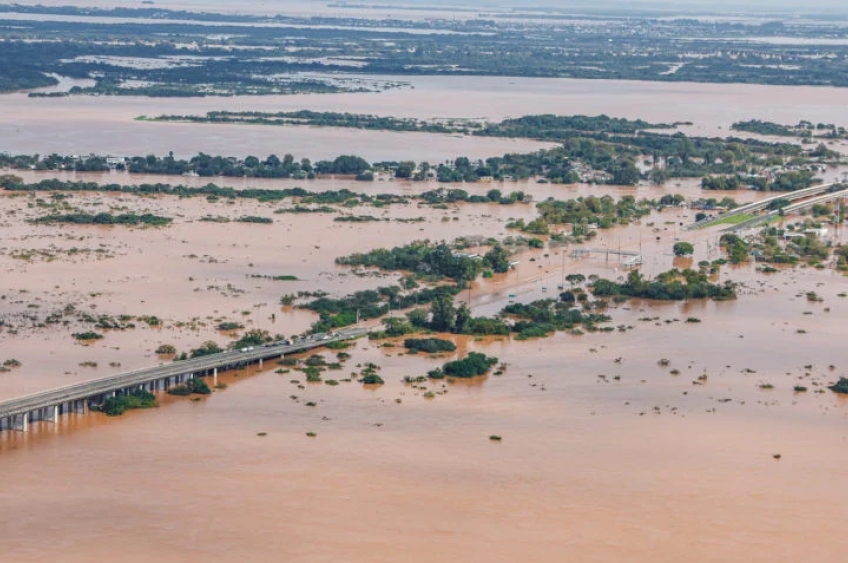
{"x": 764, "y": 203}
{"x": 800, "y": 206}
{"x": 51, "y": 404}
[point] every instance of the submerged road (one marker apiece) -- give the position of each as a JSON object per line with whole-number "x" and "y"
{"x": 51, "y": 404}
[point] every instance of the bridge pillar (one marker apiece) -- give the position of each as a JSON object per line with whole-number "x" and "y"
{"x": 260, "y": 362}
{"x": 25, "y": 423}
{"x": 215, "y": 376}
{"x": 55, "y": 414}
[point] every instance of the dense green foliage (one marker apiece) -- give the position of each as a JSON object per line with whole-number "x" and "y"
{"x": 736, "y": 247}
{"x": 840, "y": 386}
{"x": 106, "y": 219}
{"x": 119, "y": 404}
{"x": 323, "y": 119}
{"x": 195, "y": 386}
{"x": 734, "y": 182}
{"x": 206, "y": 349}
{"x": 429, "y": 345}
{"x": 769, "y": 128}
{"x": 602, "y": 211}
{"x": 253, "y": 337}
{"x": 255, "y": 219}
{"x": 87, "y": 336}
{"x": 427, "y": 258}
{"x": 475, "y": 364}
{"x": 544, "y": 317}
{"x": 673, "y": 285}
{"x": 370, "y": 304}
{"x": 683, "y": 249}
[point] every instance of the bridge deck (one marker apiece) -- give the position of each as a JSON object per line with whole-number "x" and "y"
{"x": 87, "y": 389}
{"x": 763, "y": 204}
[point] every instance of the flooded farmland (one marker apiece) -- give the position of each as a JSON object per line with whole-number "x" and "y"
{"x": 106, "y": 124}
{"x": 606, "y": 454}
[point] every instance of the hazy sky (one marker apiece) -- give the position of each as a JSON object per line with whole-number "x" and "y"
{"x": 282, "y": 6}
{"x": 707, "y": 5}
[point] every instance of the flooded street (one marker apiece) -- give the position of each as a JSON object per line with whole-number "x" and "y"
{"x": 607, "y": 455}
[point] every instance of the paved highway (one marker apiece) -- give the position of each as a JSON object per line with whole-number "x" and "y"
{"x": 98, "y": 387}
{"x": 762, "y": 204}
{"x": 806, "y": 204}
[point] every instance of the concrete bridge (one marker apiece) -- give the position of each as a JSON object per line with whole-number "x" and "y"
{"x": 79, "y": 397}
{"x": 788, "y": 210}
{"x": 764, "y": 203}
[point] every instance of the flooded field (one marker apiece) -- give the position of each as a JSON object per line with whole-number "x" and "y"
{"x": 105, "y": 125}
{"x": 607, "y": 453}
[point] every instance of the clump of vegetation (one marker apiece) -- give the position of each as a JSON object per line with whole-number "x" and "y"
{"x": 800, "y": 389}
{"x": 12, "y": 363}
{"x": 194, "y": 386}
{"x": 372, "y": 379}
{"x": 683, "y": 249}
{"x": 313, "y": 374}
{"x": 119, "y": 404}
{"x": 106, "y": 219}
{"x": 206, "y": 349}
{"x": 369, "y": 304}
{"x": 255, "y": 219}
{"x": 283, "y": 277}
{"x": 495, "y": 438}
{"x": 429, "y": 345}
{"x": 426, "y": 258}
{"x": 370, "y": 376}
{"x": 230, "y": 325}
{"x": 604, "y": 212}
{"x": 254, "y": 337}
{"x": 674, "y": 285}
{"x": 166, "y": 349}
{"x": 87, "y": 336}
{"x": 840, "y": 386}
{"x": 475, "y": 364}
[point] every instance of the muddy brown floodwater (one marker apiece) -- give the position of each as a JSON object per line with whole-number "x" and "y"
{"x": 105, "y": 125}
{"x": 606, "y": 455}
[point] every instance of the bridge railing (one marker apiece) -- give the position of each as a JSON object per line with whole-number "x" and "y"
{"x": 108, "y": 384}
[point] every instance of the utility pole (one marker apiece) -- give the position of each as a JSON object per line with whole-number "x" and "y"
{"x": 562, "y": 286}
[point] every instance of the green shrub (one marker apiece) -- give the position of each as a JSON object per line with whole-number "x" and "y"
{"x": 840, "y": 387}
{"x": 87, "y": 335}
{"x": 372, "y": 379}
{"x": 473, "y": 365}
{"x": 119, "y": 404}
{"x": 194, "y": 386}
{"x": 429, "y": 345}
